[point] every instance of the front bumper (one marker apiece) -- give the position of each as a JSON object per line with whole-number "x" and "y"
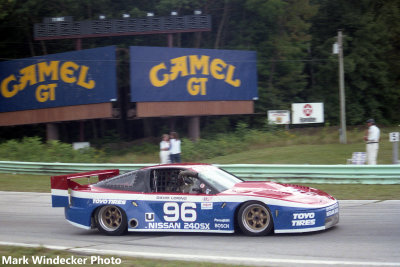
{"x": 305, "y": 220}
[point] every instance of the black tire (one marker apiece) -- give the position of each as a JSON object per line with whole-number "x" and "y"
{"x": 111, "y": 220}
{"x": 255, "y": 219}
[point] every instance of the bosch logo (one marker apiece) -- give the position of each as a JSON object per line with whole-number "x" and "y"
{"x": 307, "y": 110}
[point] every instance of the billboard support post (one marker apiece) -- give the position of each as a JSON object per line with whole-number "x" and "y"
{"x": 52, "y": 131}
{"x": 194, "y": 128}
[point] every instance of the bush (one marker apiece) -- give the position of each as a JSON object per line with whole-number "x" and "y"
{"x": 32, "y": 149}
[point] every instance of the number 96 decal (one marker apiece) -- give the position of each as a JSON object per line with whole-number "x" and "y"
{"x": 186, "y": 212}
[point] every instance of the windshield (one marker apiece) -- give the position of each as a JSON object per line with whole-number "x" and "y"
{"x": 217, "y": 178}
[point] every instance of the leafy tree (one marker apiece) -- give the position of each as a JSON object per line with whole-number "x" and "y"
{"x": 371, "y": 83}
{"x": 279, "y": 33}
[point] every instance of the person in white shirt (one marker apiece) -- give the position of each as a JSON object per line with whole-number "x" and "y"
{"x": 372, "y": 139}
{"x": 164, "y": 149}
{"x": 175, "y": 149}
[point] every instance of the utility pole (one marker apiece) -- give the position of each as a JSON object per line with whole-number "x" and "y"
{"x": 343, "y": 138}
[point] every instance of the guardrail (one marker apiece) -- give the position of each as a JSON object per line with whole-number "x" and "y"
{"x": 331, "y": 174}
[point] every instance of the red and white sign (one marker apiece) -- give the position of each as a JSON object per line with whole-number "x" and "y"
{"x": 307, "y": 110}
{"x": 307, "y": 113}
{"x": 278, "y": 116}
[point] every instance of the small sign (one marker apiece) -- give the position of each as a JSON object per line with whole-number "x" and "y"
{"x": 303, "y": 113}
{"x": 394, "y": 137}
{"x": 278, "y": 116}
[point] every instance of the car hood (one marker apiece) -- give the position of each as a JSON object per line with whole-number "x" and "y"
{"x": 287, "y": 192}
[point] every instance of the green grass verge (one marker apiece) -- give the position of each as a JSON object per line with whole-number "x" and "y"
{"x": 38, "y": 183}
{"x": 303, "y": 154}
{"x": 98, "y": 261}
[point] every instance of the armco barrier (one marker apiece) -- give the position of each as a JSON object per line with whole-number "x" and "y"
{"x": 332, "y": 174}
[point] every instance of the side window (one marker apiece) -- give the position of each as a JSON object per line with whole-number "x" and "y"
{"x": 132, "y": 181}
{"x": 178, "y": 181}
{"x": 192, "y": 184}
{"x": 165, "y": 180}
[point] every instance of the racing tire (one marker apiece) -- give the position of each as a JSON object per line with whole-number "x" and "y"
{"x": 111, "y": 220}
{"x": 255, "y": 219}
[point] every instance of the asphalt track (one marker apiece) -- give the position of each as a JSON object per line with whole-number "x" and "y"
{"x": 368, "y": 234}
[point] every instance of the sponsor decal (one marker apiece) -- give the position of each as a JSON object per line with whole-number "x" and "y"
{"x": 332, "y": 210}
{"x": 149, "y": 217}
{"x": 164, "y": 225}
{"x": 207, "y": 206}
{"x": 221, "y": 225}
{"x": 302, "y": 219}
{"x": 178, "y": 225}
{"x": 109, "y": 201}
{"x": 222, "y": 220}
{"x": 207, "y": 199}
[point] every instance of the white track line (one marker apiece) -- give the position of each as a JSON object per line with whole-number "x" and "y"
{"x": 203, "y": 258}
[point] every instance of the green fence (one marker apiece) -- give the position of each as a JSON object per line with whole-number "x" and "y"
{"x": 332, "y": 174}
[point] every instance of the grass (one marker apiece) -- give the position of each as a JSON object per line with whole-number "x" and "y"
{"x": 297, "y": 146}
{"x": 99, "y": 261}
{"x": 24, "y": 183}
{"x": 302, "y": 146}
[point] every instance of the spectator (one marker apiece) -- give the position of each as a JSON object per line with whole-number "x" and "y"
{"x": 372, "y": 139}
{"x": 175, "y": 149}
{"x": 164, "y": 149}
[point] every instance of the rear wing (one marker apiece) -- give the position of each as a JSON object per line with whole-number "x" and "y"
{"x": 61, "y": 183}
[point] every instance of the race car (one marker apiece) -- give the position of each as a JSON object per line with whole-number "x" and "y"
{"x": 190, "y": 198}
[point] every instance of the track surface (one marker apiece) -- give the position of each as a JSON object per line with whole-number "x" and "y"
{"x": 368, "y": 234}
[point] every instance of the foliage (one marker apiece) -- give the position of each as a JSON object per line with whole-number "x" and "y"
{"x": 32, "y": 149}
{"x": 293, "y": 40}
{"x": 224, "y": 144}
{"x": 371, "y": 58}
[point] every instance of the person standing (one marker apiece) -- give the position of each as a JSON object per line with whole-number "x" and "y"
{"x": 175, "y": 150}
{"x": 372, "y": 140}
{"x": 164, "y": 149}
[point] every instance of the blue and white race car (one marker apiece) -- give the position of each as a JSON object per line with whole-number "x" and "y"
{"x": 190, "y": 198}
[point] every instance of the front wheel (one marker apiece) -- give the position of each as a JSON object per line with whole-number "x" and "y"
{"x": 254, "y": 218}
{"x": 111, "y": 220}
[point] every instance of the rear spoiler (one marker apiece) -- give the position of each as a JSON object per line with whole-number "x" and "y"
{"x": 61, "y": 183}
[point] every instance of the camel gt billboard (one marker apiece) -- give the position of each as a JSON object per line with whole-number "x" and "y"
{"x": 64, "y": 79}
{"x": 181, "y": 74}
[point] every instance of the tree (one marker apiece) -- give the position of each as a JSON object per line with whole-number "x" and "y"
{"x": 370, "y": 80}
{"x": 280, "y": 33}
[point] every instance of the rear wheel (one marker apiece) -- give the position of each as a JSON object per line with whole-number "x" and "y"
{"x": 254, "y": 218}
{"x": 111, "y": 220}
